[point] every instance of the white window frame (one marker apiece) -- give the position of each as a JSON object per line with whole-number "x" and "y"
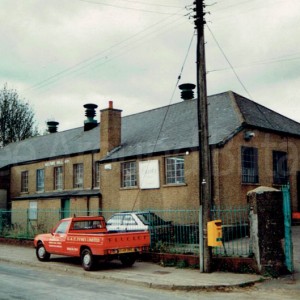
{"x": 58, "y": 178}
{"x": 78, "y": 176}
{"x": 174, "y": 170}
{"x": 40, "y": 180}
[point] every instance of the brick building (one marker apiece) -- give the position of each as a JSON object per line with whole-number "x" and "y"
{"x": 150, "y": 159}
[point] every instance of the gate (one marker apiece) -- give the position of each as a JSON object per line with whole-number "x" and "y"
{"x": 288, "y": 243}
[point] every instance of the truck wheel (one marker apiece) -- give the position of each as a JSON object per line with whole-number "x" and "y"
{"x": 127, "y": 260}
{"x": 87, "y": 259}
{"x": 41, "y": 253}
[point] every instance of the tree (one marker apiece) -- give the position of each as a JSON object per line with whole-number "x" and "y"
{"x": 16, "y": 118}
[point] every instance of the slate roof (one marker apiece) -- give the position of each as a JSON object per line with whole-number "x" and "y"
{"x": 163, "y": 129}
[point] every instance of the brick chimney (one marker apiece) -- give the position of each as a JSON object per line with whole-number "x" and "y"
{"x": 110, "y": 129}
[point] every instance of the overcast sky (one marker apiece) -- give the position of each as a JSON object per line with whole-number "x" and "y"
{"x": 62, "y": 54}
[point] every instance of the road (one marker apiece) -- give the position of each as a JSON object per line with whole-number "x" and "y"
{"x": 30, "y": 283}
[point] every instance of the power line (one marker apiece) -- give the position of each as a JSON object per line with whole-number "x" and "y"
{"x": 100, "y": 55}
{"x": 125, "y": 7}
{"x": 231, "y": 66}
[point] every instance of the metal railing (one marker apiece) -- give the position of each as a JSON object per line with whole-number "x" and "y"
{"x": 235, "y": 231}
{"x": 172, "y": 231}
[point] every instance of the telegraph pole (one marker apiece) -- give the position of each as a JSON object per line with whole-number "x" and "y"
{"x": 204, "y": 151}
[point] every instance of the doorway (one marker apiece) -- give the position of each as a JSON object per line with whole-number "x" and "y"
{"x": 65, "y": 208}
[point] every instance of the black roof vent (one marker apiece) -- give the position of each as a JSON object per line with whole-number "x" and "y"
{"x": 52, "y": 126}
{"x": 90, "y": 113}
{"x": 187, "y": 92}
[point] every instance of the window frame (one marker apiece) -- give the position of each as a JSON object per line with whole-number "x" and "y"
{"x": 78, "y": 176}
{"x": 280, "y": 161}
{"x": 174, "y": 170}
{"x": 58, "y": 178}
{"x": 129, "y": 180}
{"x": 24, "y": 182}
{"x": 97, "y": 175}
{"x": 40, "y": 180}
{"x": 249, "y": 164}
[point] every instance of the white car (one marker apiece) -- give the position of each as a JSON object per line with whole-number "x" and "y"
{"x": 140, "y": 221}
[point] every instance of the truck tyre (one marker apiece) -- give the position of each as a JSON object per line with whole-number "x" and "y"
{"x": 127, "y": 260}
{"x": 41, "y": 253}
{"x": 87, "y": 259}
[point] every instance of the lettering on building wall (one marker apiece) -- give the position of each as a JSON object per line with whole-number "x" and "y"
{"x": 56, "y": 163}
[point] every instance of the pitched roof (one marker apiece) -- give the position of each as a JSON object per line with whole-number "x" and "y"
{"x": 163, "y": 129}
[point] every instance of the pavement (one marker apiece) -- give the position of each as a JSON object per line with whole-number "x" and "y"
{"x": 141, "y": 273}
{"x": 146, "y": 274}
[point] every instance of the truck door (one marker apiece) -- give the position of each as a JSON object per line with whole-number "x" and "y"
{"x": 57, "y": 243}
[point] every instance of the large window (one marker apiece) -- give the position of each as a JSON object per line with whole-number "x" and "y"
{"x": 175, "y": 170}
{"x": 97, "y": 175}
{"x": 129, "y": 176}
{"x": 249, "y": 165}
{"x": 40, "y": 182}
{"x": 280, "y": 169}
{"x": 24, "y": 181}
{"x": 58, "y": 178}
{"x": 78, "y": 176}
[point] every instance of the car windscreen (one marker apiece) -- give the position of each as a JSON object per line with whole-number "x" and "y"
{"x": 151, "y": 219}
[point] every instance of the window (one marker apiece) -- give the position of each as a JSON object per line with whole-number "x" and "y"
{"x": 58, "y": 178}
{"x": 62, "y": 227}
{"x": 32, "y": 214}
{"x": 129, "y": 176}
{"x": 97, "y": 175}
{"x": 280, "y": 169}
{"x": 24, "y": 182}
{"x": 78, "y": 176}
{"x": 175, "y": 170}
{"x": 40, "y": 180}
{"x": 249, "y": 165}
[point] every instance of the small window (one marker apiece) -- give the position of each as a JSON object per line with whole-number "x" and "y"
{"x": 97, "y": 175}
{"x": 32, "y": 213}
{"x": 249, "y": 165}
{"x": 24, "y": 182}
{"x": 58, "y": 178}
{"x": 78, "y": 176}
{"x": 280, "y": 168}
{"x": 175, "y": 170}
{"x": 129, "y": 176}
{"x": 40, "y": 180}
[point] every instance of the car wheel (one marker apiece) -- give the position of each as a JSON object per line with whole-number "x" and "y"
{"x": 127, "y": 260}
{"x": 41, "y": 253}
{"x": 87, "y": 259}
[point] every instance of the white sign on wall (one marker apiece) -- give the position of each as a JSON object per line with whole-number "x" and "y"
{"x": 149, "y": 174}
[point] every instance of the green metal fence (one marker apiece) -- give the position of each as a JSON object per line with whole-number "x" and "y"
{"x": 235, "y": 231}
{"x": 172, "y": 231}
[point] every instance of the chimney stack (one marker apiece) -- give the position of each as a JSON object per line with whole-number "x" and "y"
{"x": 187, "y": 92}
{"x": 110, "y": 129}
{"x": 52, "y": 126}
{"x": 90, "y": 113}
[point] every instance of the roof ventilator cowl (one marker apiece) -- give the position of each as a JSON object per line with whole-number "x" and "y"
{"x": 52, "y": 126}
{"x": 90, "y": 113}
{"x": 187, "y": 92}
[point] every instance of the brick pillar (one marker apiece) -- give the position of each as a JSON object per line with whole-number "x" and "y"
{"x": 267, "y": 229}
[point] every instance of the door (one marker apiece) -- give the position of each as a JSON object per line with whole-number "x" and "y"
{"x": 57, "y": 242}
{"x": 65, "y": 208}
{"x": 288, "y": 243}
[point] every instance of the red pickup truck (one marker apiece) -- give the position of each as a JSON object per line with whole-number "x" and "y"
{"x": 88, "y": 238}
